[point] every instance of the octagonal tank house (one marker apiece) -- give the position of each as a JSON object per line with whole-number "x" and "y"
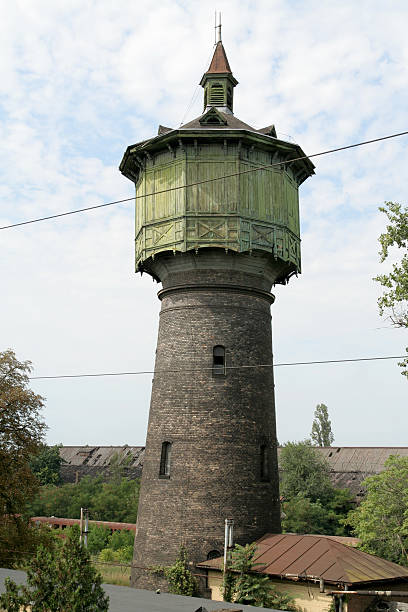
{"x": 217, "y": 233}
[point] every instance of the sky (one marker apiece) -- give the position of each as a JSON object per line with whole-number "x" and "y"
{"x": 82, "y": 80}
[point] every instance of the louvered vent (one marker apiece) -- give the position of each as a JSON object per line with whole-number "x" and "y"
{"x": 217, "y": 95}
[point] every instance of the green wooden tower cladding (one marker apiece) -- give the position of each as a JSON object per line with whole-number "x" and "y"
{"x": 218, "y": 233}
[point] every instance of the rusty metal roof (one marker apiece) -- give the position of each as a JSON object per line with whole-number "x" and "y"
{"x": 301, "y": 557}
{"x": 67, "y": 522}
{"x": 219, "y": 62}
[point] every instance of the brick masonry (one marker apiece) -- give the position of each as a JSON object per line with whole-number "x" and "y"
{"x": 216, "y": 424}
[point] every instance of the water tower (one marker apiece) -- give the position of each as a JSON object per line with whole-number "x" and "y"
{"x": 217, "y": 245}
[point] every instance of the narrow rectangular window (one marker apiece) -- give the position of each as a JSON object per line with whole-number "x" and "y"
{"x": 264, "y": 463}
{"x": 219, "y": 361}
{"x": 165, "y": 460}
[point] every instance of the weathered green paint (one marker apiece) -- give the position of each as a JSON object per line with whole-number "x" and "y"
{"x": 219, "y": 91}
{"x": 254, "y": 211}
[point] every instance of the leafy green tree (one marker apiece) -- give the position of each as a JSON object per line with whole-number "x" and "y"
{"x": 300, "y": 515}
{"x": 322, "y": 434}
{"x": 115, "y": 500}
{"x": 122, "y": 538}
{"x": 61, "y": 579}
{"x": 98, "y": 538}
{"x": 381, "y": 520}
{"x": 181, "y": 580}
{"x": 21, "y": 435}
{"x": 117, "y": 547}
{"x": 395, "y": 297}
{"x": 46, "y": 465}
{"x": 244, "y": 585}
{"x": 310, "y": 502}
{"x": 304, "y": 471}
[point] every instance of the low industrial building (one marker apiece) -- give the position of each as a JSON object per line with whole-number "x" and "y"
{"x": 317, "y": 570}
{"x": 349, "y": 465}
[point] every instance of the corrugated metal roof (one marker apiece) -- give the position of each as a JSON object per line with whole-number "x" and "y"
{"x": 366, "y": 459}
{"x": 342, "y": 459}
{"x": 102, "y": 456}
{"x": 317, "y": 556}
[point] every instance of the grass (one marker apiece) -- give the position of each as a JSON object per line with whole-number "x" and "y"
{"x": 114, "y": 574}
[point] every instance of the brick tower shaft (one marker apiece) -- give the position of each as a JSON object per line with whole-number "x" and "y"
{"x": 215, "y": 419}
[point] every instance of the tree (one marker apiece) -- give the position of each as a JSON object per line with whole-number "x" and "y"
{"x": 304, "y": 516}
{"x": 46, "y": 465}
{"x": 310, "y": 502}
{"x": 381, "y": 520}
{"x": 395, "y": 297}
{"x": 322, "y": 434}
{"x": 21, "y": 436}
{"x": 98, "y": 538}
{"x": 244, "y": 585}
{"x": 60, "y": 579}
{"x": 300, "y": 515}
{"x": 304, "y": 471}
{"x": 181, "y": 580}
{"x": 115, "y": 500}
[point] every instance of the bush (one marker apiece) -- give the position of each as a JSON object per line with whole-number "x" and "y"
{"x": 60, "y": 579}
{"x": 181, "y": 580}
{"x": 120, "y": 539}
{"x": 242, "y": 584}
{"x": 98, "y": 538}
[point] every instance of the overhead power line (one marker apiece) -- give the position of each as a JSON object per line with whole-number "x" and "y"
{"x": 220, "y": 178}
{"x": 241, "y": 367}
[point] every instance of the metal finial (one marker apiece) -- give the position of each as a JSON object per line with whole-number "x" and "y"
{"x": 219, "y": 28}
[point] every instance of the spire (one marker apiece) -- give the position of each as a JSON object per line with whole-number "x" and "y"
{"x": 218, "y": 81}
{"x": 219, "y": 62}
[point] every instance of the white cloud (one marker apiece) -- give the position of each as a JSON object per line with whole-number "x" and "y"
{"x": 83, "y": 80}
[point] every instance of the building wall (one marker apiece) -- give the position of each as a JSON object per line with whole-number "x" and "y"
{"x": 307, "y": 596}
{"x": 359, "y": 603}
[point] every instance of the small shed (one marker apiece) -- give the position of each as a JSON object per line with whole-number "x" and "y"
{"x": 314, "y": 569}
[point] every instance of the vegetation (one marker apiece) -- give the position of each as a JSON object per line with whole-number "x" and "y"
{"x": 395, "y": 297}
{"x": 118, "y": 546}
{"x": 381, "y": 520}
{"x": 115, "y": 500}
{"x": 110, "y": 553}
{"x": 304, "y": 471}
{"x": 321, "y": 434}
{"x": 21, "y": 436}
{"x": 46, "y": 465}
{"x": 301, "y": 515}
{"x": 62, "y": 578}
{"x": 311, "y": 503}
{"x": 242, "y": 584}
{"x": 181, "y": 580}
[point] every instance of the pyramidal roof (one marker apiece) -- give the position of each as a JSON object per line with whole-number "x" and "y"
{"x": 219, "y": 63}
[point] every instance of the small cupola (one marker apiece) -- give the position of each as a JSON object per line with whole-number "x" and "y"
{"x": 218, "y": 81}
